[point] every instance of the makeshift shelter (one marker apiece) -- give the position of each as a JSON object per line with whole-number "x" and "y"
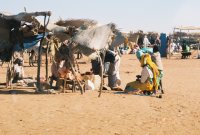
{"x": 90, "y": 41}
{"x": 18, "y": 32}
{"x": 66, "y": 30}
{"x": 98, "y": 39}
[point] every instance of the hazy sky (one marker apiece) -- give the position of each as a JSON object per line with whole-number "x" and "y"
{"x": 147, "y": 15}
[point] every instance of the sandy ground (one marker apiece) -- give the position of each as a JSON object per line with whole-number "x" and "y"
{"x": 177, "y": 113}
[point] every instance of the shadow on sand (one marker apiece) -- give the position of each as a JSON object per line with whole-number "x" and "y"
{"x": 14, "y": 91}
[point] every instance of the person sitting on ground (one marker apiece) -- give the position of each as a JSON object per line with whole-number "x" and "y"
{"x": 156, "y": 58}
{"x": 54, "y": 72}
{"x": 18, "y": 70}
{"x": 154, "y": 52}
{"x": 147, "y": 82}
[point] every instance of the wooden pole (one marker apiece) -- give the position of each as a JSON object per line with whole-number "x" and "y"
{"x": 38, "y": 69}
{"x": 198, "y": 55}
{"x": 47, "y": 62}
{"x": 8, "y": 75}
{"x": 39, "y": 55}
{"x": 101, "y": 75}
{"x": 11, "y": 71}
{"x": 101, "y": 71}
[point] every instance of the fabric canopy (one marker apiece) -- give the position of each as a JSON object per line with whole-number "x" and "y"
{"x": 29, "y": 42}
{"x": 187, "y": 28}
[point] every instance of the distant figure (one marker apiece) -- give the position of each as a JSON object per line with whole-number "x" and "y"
{"x": 172, "y": 47}
{"x": 158, "y": 42}
{"x": 31, "y": 58}
{"x": 185, "y": 51}
{"x": 186, "y": 48}
{"x": 146, "y": 42}
{"x": 169, "y": 40}
{"x": 124, "y": 49}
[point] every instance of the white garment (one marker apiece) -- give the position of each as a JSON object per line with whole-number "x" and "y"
{"x": 172, "y": 47}
{"x": 146, "y": 74}
{"x": 89, "y": 85}
{"x": 19, "y": 69}
{"x": 61, "y": 64}
{"x": 156, "y": 58}
{"x": 113, "y": 72}
{"x": 146, "y": 42}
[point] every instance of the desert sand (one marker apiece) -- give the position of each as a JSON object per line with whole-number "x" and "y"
{"x": 114, "y": 113}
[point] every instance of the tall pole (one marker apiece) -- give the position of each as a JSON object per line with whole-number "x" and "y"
{"x": 47, "y": 62}
{"x": 39, "y": 64}
{"x": 39, "y": 55}
{"x": 198, "y": 56}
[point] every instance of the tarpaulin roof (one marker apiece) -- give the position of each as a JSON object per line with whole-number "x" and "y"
{"x": 29, "y": 42}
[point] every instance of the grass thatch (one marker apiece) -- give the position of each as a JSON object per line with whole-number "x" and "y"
{"x": 76, "y": 22}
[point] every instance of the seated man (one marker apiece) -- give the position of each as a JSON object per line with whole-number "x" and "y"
{"x": 18, "y": 70}
{"x": 55, "y": 68}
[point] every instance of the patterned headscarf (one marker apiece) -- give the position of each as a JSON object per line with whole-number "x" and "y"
{"x": 140, "y": 52}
